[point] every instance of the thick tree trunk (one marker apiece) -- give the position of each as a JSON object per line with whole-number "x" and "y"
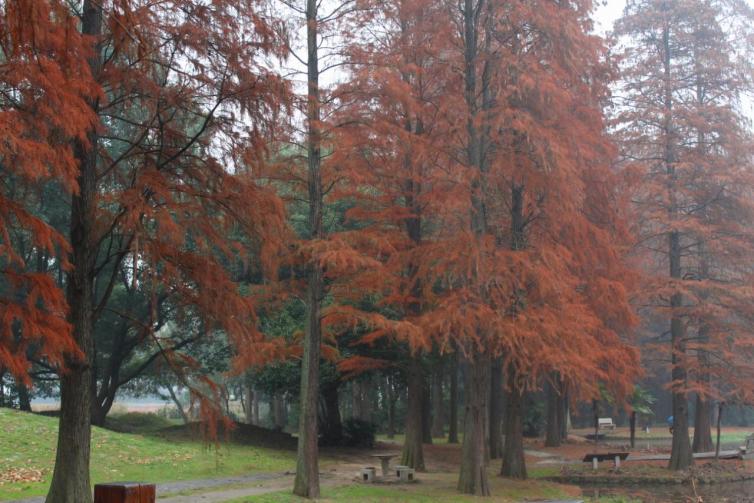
{"x": 357, "y": 400}
{"x": 70, "y": 479}
{"x": 413, "y": 451}
{"x": 24, "y": 400}
{"x": 473, "y": 476}
{"x": 680, "y": 455}
{"x": 496, "y": 409}
{"x": 426, "y": 412}
{"x": 331, "y": 425}
{"x": 702, "y": 425}
{"x": 514, "y": 465}
{"x": 553, "y": 435}
{"x": 248, "y": 404}
{"x": 453, "y": 405}
{"x": 307, "y": 467}
{"x": 632, "y": 426}
{"x": 563, "y": 412}
{"x": 438, "y": 412}
{"x": 719, "y": 422}
{"x": 255, "y": 409}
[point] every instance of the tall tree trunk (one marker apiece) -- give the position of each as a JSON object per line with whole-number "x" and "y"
{"x": 357, "y": 402}
{"x": 307, "y": 467}
{"x": 632, "y": 427}
{"x": 702, "y": 425}
{"x": 249, "y": 402}
{"x": 719, "y": 422}
{"x": 453, "y": 405}
{"x": 438, "y": 412}
{"x": 496, "y": 409}
{"x": 70, "y": 479}
{"x": 473, "y": 476}
{"x": 680, "y": 456}
{"x": 255, "y": 409}
{"x": 24, "y": 400}
{"x": 390, "y": 397}
{"x": 426, "y": 412}
{"x": 331, "y": 425}
{"x": 413, "y": 451}
{"x": 703, "y": 412}
{"x": 514, "y": 464}
{"x": 178, "y": 405}
{"x": 563, "y": 412}
{"x": 553, "y": 433}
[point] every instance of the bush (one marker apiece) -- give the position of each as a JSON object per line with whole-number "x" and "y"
{"x": 137, "y": 422}
{"x": 358, "y": 433}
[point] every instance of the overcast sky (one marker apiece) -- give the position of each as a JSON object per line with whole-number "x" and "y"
{"x": 607, "y": 12}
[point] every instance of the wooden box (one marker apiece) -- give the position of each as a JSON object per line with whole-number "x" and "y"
{"x": 125, "y": 492}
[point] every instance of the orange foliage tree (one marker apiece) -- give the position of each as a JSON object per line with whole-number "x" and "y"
{"x": 687, "y": 146}
{"x": 504, "y": 168}
{"x": 165, "y": 176}
{"x": 44, "y": 81}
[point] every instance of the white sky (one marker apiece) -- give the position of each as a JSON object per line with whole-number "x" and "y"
{"x": 606, "y": 13}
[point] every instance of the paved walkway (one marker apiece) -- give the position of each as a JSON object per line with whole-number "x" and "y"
{"x": 213, "y": 488}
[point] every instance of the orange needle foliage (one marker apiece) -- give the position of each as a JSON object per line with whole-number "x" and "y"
{"x": 44, "y": 79}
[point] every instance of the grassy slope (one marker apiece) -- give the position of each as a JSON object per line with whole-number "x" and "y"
{"x": 27, "y": 447}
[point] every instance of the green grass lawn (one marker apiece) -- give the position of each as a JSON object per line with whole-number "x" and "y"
{"x": 417, "y": 493}
{"x": 27, "y": 456}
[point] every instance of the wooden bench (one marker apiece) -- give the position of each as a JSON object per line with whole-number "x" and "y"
{"x": 124, "y": 492}
{"x": 595, "y": 458}
{"x": 605, "y": 423}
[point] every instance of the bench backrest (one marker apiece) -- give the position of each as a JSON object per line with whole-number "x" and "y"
{"x": 605, "y": 421}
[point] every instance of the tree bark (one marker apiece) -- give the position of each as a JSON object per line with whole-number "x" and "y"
{"x": 473, "y": 476}
{"x": 426, "y": 412}
{"x": 413, "y": 451}
{"x": 390, "y": 398}
{"x": 563, "y": 412}
{"x": 496, "y": 409}
{"x": 70, "y": 479}
{"x": 24, "y": 400}
{"x": 680, "y": 456}
{"x": 178, "y": 405}
{"x": 438, "y": 412}
{"x": 719, "y": 421}
{"x": 331, "y": 425}
{"x": 514, "y": 464}
{"x": 307, "y": 467}
{"x": 702, "y": 425}
{"x": 632, "y": 426}
{"x": 453, "y": 405}
{"x": 249, "y": 402}
{"x": 553, "y": 434}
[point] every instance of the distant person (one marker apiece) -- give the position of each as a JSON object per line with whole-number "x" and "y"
{"x": 670, "y": 424}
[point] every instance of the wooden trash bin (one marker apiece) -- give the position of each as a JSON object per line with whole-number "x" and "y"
{"x": 125, "y": 492}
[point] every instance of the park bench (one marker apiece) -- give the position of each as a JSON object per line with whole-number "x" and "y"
{"x": 595, "y": 458}
{"x": 124, "y": 492}
{"x": 605, "y": 423}
{"x": 747, "y": 450}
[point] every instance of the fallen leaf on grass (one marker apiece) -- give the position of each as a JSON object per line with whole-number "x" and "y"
{"x": 15, "y": 475}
